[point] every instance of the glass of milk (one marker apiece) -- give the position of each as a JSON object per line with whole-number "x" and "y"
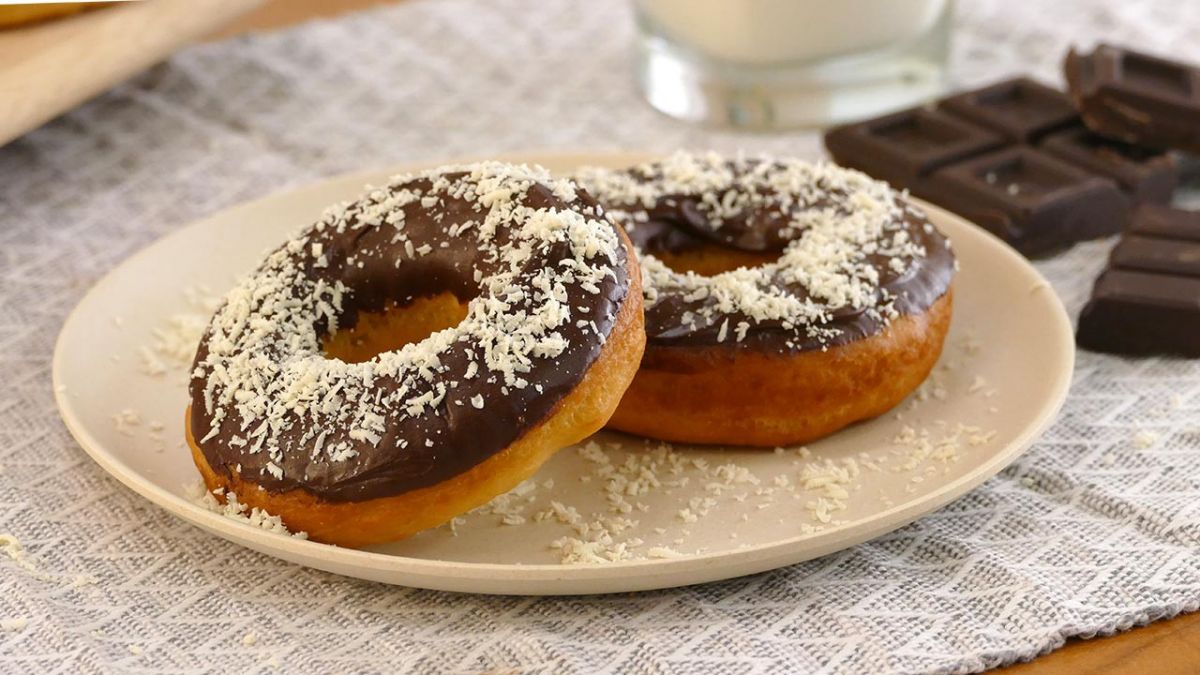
{"x": 788, "y": 63}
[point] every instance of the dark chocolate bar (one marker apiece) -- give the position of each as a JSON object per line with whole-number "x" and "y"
{"x": 1033, "y": 201}
{"x": 921, "y": 149}
{"x": 1148, "y": 300}
{"x": 1021, "y": 109}
{"x": 1148, "y": 176}
{"x": 1138, "y": 98}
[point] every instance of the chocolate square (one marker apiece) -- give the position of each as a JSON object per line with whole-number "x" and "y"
{"x": 1134, "y": 312}
{"x": 1137, "y": 97}
{"x": 1152, "y": 254}
{"x": 1155, "y": 220}
{"x": 903, "y": 147}
{"x": 1033, "y": 201}
{"x": 1153, "y": 77}
{"x": 1021, "y": 109}
{"x": 1148, "y": 176}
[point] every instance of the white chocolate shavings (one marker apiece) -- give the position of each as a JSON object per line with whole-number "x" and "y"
{"x": 510, "y": 505}
{"x": 12, "y": 548}
{"x": 1144, "y": 438}
{"x": 977, "y": 384}
{"x": 126, "y": 420}
{"x": 941, "y": 443}
{"x": 659, "y": 552}
{"x": 173, "y": 344}
{"x": 81, "y": 580}
{"x": 838, "y": 217}
{"x": 628, "y": 480}
{"x": 265, "y": 374}
{"x": 234, "y": 510}
{"x": 630, "y": 501}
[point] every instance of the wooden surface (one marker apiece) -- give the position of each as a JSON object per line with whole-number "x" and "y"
{"x": 279, "y": 13}
{"x": 53, "y": 66}
{"x": 1165, "y": 648}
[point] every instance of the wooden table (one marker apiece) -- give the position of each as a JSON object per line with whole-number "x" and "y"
{"x": 1162, "y": 648}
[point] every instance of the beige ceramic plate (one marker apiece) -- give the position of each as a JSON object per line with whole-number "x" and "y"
{"x": 1001, "y": 381}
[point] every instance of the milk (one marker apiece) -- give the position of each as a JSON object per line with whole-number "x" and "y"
{"x": 761, "y": 32}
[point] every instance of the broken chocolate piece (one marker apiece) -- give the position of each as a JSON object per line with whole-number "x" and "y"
{"x": 1134, "y": 312}
{"x": 1148, "y": 301}
{"x": 1031, "y": 200}
{"x": 1138, "y": 98}
{"x": 1154, "y": 220}
{"x": 1021, "y": 109}
{"x": 1148, "y": 176}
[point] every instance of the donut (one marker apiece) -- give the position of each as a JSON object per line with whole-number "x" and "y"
{"x": 416, "y": 352}
{"x": 784, "y": 300}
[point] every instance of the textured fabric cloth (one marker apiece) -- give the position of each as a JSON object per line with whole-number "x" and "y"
{"x": 1095, "y": 530}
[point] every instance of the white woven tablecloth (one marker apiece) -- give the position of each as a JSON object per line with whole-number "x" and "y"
{"x": 1090, "y": 532}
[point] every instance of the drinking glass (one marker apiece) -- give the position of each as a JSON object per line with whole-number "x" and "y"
{"x": 786, "y": 63}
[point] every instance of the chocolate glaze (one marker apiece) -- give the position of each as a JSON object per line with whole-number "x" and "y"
{"x": 450, "y": 439}
{"x": 680, "y": 222}
{"x": 677, "y": 223}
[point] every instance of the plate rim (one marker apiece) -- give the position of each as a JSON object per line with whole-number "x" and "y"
{"x": 831, "y": 539}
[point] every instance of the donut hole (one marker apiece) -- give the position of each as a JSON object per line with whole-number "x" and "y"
{"x": 711, "y": 259}
{"x": 397, "y": 325}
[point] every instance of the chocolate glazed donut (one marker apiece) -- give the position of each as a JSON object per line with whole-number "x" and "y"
{"x": 784, "y": 300}
{"x": 306, "y": 402}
